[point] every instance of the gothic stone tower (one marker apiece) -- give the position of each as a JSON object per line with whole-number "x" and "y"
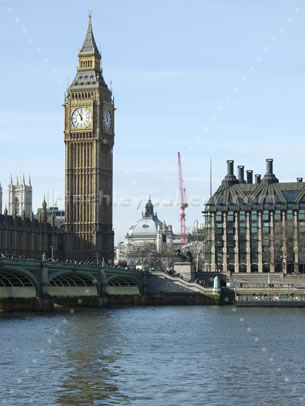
{"x": 89, "y": 140}
{"x": 20, "y": 198}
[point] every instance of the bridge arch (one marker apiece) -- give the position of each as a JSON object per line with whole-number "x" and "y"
{"x": 17, "y": 284}
{"x": 73, "y": 284}
{"x": 123, "y": 285}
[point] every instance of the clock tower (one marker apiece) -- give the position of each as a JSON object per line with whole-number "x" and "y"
{"x": 89, "y": 140}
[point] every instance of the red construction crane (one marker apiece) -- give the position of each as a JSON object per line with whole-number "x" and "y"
{"x": 183, "y": 203}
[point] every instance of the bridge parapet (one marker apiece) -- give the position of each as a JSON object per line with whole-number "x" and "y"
{"x": 46, "y": 275}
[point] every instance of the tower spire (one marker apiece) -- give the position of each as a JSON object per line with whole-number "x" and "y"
{"x": 89, "y": 70}
{"x": 89, "y": 47}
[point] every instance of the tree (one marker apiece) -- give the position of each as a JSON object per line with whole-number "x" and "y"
{"x": 146, "y": 256}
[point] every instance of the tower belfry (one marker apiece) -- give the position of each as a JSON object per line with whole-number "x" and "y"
{"x": 89, "y": 140}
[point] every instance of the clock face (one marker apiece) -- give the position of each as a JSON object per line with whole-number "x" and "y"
{"x": 107, "y": 119}
{"x": 81, "y": 117}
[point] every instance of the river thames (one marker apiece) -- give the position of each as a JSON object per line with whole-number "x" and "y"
{"x": 154, "y": 356}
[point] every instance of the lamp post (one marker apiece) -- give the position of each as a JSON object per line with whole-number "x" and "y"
{"x": 269, "y": 286}
{"x": 234, "y": 289}
{"x": 199, "y": 248}
{"x": 289, "y": 286}
{"x": 197, "y": 263}
{"x": 52, "y": 256}
{"x": 280, "y": 265}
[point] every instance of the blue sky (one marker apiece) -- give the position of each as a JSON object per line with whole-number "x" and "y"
{"x": 221, "y": 79}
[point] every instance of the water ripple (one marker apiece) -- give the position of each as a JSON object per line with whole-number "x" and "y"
{"x": 153, "y": 356}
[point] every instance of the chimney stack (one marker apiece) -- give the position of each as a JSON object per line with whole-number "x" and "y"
{"x": 230, "y": 167}
{"x": 258, "y": 179}
{"x": 269, "y": 177}
{"x": 250, "y": 176}
{"x": 241, "y": 177}
{"x": 230, "y": 179}
{"x": 269, "y": 166}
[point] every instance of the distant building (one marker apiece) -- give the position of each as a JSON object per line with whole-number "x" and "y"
{"x": 20, "y": 198}
{"x": 256, "y": 227}
{"x": 30, "y": 237}
{"x": 198, "y": 233}
{"x": 53, "y": 214}
{"x": 148, "y": 237}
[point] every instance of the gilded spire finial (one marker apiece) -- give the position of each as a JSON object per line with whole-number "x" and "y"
{"x": 90, "y": 13}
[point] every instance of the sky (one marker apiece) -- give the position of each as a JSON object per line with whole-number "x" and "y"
{"x": 221, "y": 79}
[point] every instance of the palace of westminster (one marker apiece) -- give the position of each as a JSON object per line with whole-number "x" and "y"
{"x": 89, "y": 139}
{"x": 251, "y": 226}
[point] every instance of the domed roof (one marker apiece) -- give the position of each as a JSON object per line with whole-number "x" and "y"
{"x": 147, "y": 226}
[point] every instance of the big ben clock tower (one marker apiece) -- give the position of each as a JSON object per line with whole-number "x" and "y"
{"x": 89, "y": 140}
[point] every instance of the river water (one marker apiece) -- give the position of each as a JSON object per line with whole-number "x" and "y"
{"x": 154, "y": 356}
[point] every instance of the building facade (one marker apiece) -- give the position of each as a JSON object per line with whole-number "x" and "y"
{"x": 24, "y": 235}
{"x": 149, "y": 238}
{"x": 30, "y": 237}
{"x": 89, "y": 140}
{"x": 20, "y": 198}
{"x": 256, "y": 226}
{"x": 54, "y": 214}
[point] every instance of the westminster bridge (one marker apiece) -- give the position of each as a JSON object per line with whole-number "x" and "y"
{"x": 28, "y": 284}
{"x": 42, "y": 280}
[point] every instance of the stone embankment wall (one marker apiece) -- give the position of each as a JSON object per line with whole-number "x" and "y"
{"x": 162, "y": 300}
{"x": 163, "y": 290}
{"x": 34, "y": 304}
{"x": 156, "y": 284}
